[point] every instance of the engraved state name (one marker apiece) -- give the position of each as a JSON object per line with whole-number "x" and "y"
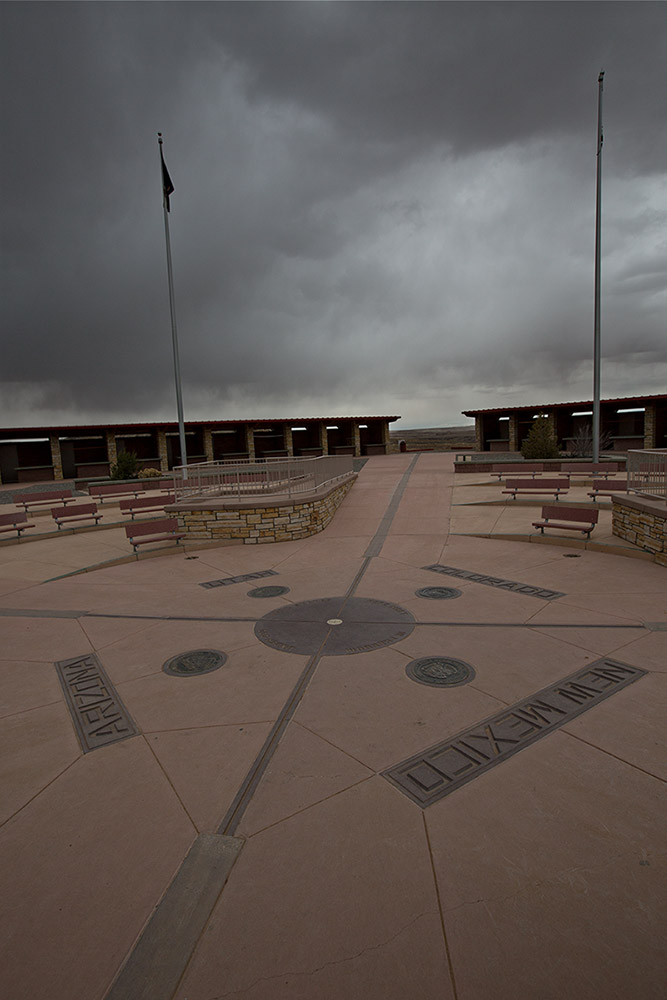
{"x": 97, "y": 711}
{"x": 496, "y": 581}
{"x": 430, "y": 775}
{"x": 226, "y": 581}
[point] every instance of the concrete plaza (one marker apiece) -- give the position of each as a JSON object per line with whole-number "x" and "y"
{"x": 309, "y": 821}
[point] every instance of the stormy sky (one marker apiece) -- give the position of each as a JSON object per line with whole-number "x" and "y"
{"x": 379, "y": 208}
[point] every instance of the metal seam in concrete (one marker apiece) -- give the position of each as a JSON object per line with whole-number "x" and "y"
{"x": 378, "y": 539}
{"x": 157, "y": 962}
{"x": 252, "y": 779}
{"x": 35, "y": 613}
{"x": 242, "y": 798}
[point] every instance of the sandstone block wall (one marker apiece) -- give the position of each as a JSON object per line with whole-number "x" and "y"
{"x": 254, "y": 521}
{"x": 642, "y": 522}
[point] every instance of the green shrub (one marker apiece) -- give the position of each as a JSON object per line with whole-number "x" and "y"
{"x": 125, "y": 466}
{"x": 541, "y": 440}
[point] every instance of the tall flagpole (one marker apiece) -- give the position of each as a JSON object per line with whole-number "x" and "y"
{"x": 596, "y": 350}
{"x": 167, "y": 189}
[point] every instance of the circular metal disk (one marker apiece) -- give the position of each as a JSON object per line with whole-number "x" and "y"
{"x": 268, "y": 591}
{"x": 440, "y": 671}
{"x": 438, "y": 593}
{"x": 196, "y": 661}
{"x": 365, "y": 624}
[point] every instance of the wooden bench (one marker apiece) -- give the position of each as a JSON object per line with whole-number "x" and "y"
{"x": 143, "y": 532}
{"x": 145, "y": 504}
{"x": 605, "y": 488}
{"x": 529, "y": 487}
{"x": 15, "y": 522}
{"x": 84, "y": 512}
{"x": 605, "y": 469}
{"x": 111, "y": 491}
{"x": 568, "y": 519}
{"x": 27, "y": 500}
{"x": 526, "y": 468}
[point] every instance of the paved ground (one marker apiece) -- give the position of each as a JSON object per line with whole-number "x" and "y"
{"x": 313, "y": 821}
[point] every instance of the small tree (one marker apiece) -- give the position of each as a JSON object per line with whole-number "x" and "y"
{"x": 541, "y": 440}
{"x": 125, "y": 466}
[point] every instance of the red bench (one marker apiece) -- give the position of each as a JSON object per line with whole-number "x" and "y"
{"x": 526, "y": 468}
{"x": 568, "y": 519}
{"x": 534, "y": 487}
{"x": 15, "y": 522}
{"x": 605, "y": 488}
{"x": 143, "y": 532}
{"x": 27, "y": 500}
{"x": 145, "y": 504}
{"x": 605, "y": 469}
{"x": 111, "y": 491}
{"x": 84, "y": 512}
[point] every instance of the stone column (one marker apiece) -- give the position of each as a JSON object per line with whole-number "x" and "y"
{"x": 112, "y": 451}
{"x": 162, "y": 450}
{"x": 208, "y": 444}
{"x": 56, "y": 457}
{"x": 513, "y": 432}
{"x": 357, "y": 439}
{"x": 649, "y": 426}
{"x": 250, "y": 441}
{"x": 289, "y": 441}
{"x": 479, "y": 432}
{"x": 324, "y": 438}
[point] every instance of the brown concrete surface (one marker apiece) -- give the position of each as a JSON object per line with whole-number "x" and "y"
{"x": 542, "y": 878}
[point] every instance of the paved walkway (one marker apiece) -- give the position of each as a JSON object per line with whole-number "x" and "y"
{"x": 313, "y": 821}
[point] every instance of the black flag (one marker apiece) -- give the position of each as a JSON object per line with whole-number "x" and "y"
{"x": 167, "y": 186}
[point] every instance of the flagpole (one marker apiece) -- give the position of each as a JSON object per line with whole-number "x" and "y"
{"x": 167, "y": 188}
{"x": 596, "y": 340}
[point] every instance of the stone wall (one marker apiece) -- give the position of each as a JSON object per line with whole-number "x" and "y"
{"x": 56, "y": 457}
{"x": 253, "y": 520}
{"x": 642, "y": 522}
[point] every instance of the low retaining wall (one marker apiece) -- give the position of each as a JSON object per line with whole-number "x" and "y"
{"x": 254, "y": 520}
{"x": 642, "y": 522}
{"x": 486, "y": 464}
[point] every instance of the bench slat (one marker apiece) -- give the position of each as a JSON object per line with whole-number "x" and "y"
{"x": 84, "y": 512}
{"x": 145, "y": 504}
{"x": 165, "y": 529}
{"x": 27, "y": 500}
{"x": 606, "y": 488}
{"x": 511, "y": 467}
{"x": 17, "y": 522}
{"x": 532, "y": 487}
{"x": 107, "y": 490}
{"x": 572, "y": 518}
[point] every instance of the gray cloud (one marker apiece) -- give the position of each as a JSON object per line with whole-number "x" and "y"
{"x": 381, "y": 207}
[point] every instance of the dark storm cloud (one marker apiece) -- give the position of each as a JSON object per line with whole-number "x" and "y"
{"x": 378, "y": 206}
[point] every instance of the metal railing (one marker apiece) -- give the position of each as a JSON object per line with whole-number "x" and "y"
{"x": 647, "y": 472}
{"x": 269, "y": 477}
